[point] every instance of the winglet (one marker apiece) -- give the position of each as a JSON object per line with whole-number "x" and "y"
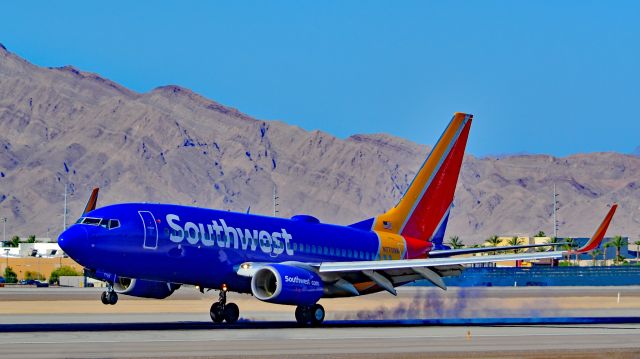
{"x": 594, "y": 242}
{"x": 91, "y": 203}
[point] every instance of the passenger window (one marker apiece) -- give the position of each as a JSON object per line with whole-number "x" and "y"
{"x": 295, "y": 246}
{"x": 326, "y": 250}
{"x": 313, "y": 248}
{"x": 331, "y": 250}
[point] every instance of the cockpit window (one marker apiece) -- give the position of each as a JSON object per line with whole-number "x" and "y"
{"x": 102, "y": 222}
{"x": 92, "y": 221}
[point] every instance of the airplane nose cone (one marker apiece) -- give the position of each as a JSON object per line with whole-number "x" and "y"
{"x": 73, "y": 240}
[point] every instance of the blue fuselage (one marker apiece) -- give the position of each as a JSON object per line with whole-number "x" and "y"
{"x": 204, "y": 247}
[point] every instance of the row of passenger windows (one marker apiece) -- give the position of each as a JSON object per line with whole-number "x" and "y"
{"x": 331, "y": 251}
{"x": 302, "y": 248}
{"x": 102, "y": 222}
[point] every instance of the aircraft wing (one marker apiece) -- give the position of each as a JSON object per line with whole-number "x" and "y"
{"x": 327, "y": 267}
{"x": 461, "y": 251}
{"x": 388, "y": 274}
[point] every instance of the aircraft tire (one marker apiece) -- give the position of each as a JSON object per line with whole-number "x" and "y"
{"x": 316, "y": 314}
{"x": 301, "y": 315}
{"x": 112, "y": 298}
{"x": 216, "y": 313}
{"x": 231, "y": 313}
{"x": 104, "y": 298}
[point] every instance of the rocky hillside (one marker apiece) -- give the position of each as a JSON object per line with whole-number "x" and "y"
{"x": 62, "y": 125}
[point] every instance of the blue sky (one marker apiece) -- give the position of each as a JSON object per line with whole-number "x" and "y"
{"x": 557, "y": 77}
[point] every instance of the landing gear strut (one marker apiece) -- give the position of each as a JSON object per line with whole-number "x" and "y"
{"x": 310, "y": 314}
{"x": 109, "y": 297}
{"x": 222, "y": 311}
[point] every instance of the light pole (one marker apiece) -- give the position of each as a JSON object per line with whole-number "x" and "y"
{"x": 555, "y": 208}
{"x": 4, "y": 230}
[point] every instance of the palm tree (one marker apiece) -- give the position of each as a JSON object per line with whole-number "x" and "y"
{"x": 515, "y": 241}
{"x": 551, "y": 240}
{"x": 604, "y": 254}
{"x": 567, "y": 247}
{"x": 455, "y": 242}
{"x": 618, "y": 242}
{"x": 493, "y": 241}
{"x": 594, "y": 255}
{"x": 540, "y": 234}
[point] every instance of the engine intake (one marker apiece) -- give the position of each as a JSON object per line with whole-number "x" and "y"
{"x": 286, "y": 284}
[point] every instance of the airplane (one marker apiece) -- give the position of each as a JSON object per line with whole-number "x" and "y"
{"x": 149, "y": 250}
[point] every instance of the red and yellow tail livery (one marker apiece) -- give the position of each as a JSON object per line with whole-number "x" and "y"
{"x": 425, "y": 205}
{"x": 598, "y": 236}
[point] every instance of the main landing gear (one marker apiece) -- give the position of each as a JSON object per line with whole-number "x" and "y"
{"x": 310, "y": 314}
{"x": 109, "y": 297}
{"x": 222, "y": 311}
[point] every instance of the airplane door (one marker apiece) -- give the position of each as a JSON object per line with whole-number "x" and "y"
{"x": 150, "y": 230}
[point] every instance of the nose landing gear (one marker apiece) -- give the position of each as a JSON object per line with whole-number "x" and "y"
{"x": 222, "y": 311}
{"x": 310, "y": 315}
{"x": 109, "y": 297}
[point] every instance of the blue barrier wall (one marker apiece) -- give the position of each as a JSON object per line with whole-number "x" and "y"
{"x": 544, "y": 276}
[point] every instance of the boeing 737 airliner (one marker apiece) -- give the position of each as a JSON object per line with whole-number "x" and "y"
{"x": 149, "y": 250}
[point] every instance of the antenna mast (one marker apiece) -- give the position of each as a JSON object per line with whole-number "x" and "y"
{"x": 275, "y": 202}
{"x": 64, "y": 215}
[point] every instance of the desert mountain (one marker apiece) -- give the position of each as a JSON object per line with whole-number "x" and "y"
{"x": 62, "y": 125}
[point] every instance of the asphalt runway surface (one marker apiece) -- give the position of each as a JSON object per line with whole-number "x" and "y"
{"x": 65, "y": 322}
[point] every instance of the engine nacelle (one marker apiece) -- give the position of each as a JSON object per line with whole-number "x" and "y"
{"x": 144, "y": 288}
{"x": 285, "y": 284}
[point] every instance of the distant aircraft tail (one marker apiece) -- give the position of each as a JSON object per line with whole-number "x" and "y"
{"x": 422, "y": 212}
{"x": 91, "y": 203}
{"x": 598, "y": 236}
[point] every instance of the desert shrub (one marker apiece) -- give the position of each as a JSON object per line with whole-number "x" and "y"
{"x": 62, "y": 271}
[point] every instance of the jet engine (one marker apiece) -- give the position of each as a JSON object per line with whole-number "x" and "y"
{"x": 286, "y": 284}
{"x": 144, "y": 288}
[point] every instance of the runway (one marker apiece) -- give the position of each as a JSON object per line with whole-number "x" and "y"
{"x": 342, "y": 342}
{"x": 71, "y": 323}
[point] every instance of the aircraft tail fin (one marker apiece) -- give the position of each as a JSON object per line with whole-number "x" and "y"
{"x": 598, "y": 236}
{"x": 91, "y": 203}
{"x": 422, "y": 212}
